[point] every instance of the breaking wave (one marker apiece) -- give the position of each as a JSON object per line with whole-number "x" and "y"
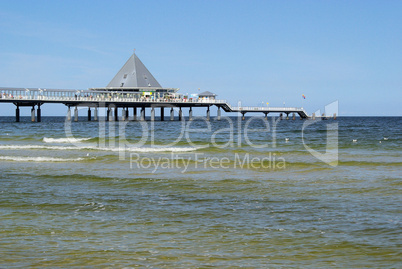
{"x": 113, "y": 149}
{"x": 39, "y": 159}
{"x": 64, "y": 140}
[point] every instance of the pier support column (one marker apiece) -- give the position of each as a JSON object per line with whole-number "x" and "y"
{"x": 190, "y": 114}
{"x": 127, "y": 114}
{"x": 180, "y": 114}
{"x": 162, "y": 113}
{"x": 33, "y": 114}
{"x": 108, "y": 114}
{"x": 69, "y": 113}
{"x": 171, "y": 114}
{"x": 243, "y": 115}
{"x": 208, "y": 114}
{"x": 287, "y": 116}
{"x": 219, "y": 113}
{"x": 123, "y": 114}
{"x": 294, "y": 116}
{"x": 266, "y": 115}
{"x": 17, "y": 114}
{"x": 142, "y": 113}
{"x": 96, "y": 114}
{"x": 134, "y": 113}
{"x": 76, "y": 114}
{"x": 89, "y": 114}
{"x": 39, "y": 114}
{"x": 116, "y": 114}
{"x": 152, "y": 114}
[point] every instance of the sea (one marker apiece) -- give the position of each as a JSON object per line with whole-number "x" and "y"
{"x": 226, "y": 193}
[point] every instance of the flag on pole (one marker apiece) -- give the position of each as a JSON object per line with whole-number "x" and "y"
{"x": 304, "y": 97}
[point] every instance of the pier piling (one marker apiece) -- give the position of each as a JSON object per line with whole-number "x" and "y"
{"x": 33, "y": 114}
{"x": 96, "y": 114}
{"x": 116, "y": 114}
{"x": 208, "y": 113}
{"x": 190, "y": 114}
{"x": 76, "y": 114}
{"x": 17, "y": 114}
{"x": 123, "y": 114}
{"x": 152, "y": 114}
{"x": 134, "y": 113}
{"x": 171, "y": 114}
{"x": 69, "y": 113}
{"x": 39, "y": 114}
{"x": 162, "y": 113}
{"x": 89, "y": 114}
{"x": 219, "y": 113}
{"x": 142, "y": 113}
{"x": 180, "y": 114}
{"x": 111, "y": 114}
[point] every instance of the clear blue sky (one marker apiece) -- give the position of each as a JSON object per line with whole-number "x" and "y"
{"x": 254, "y": 51}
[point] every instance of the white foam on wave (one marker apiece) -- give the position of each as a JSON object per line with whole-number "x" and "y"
{"x": 37, "y": 147}
{"x": 39, "y": 159}
{"x": 159, "y": 149}
{"x": 64, "y": 140}
{"x": 113, "y": 149}
{"x": 145, "y": 149}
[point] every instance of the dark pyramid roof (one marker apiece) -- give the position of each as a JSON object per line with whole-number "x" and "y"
{"x": 134, "y": 74}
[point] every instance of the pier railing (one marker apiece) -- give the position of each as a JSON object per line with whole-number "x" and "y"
{"x": 262, "y": 109}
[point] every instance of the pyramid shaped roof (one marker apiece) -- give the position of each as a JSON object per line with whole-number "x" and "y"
{"x": 133, "y": 74}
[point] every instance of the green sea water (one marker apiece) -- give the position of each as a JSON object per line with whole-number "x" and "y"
{"x": 229, "y": 193}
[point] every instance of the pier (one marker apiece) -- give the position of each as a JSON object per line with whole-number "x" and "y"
{"x": 133, "y": 87}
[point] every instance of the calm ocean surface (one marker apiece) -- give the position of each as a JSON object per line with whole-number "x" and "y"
{"x": 173, "y": 195}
